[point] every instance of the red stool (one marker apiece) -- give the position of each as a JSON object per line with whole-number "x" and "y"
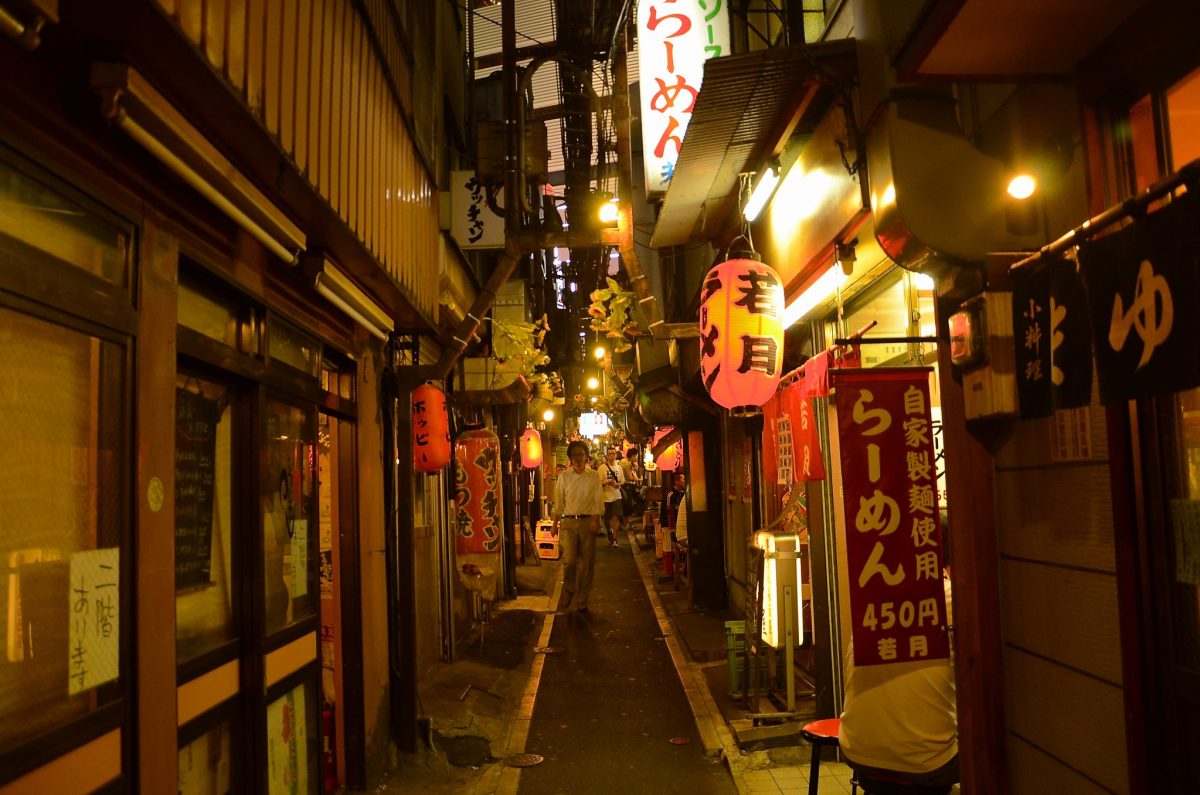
{"x": 819, "y": 733}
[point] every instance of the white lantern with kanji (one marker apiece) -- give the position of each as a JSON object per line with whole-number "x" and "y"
{"x": 741, "y": 333}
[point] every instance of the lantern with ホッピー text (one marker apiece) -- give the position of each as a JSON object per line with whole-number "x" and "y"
{"x": 531, "y": 449}
{"x": 741, "y": 333}
{"x": 430, "y": 429}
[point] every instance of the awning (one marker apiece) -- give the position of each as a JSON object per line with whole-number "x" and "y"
{"x": 748, "y": 107}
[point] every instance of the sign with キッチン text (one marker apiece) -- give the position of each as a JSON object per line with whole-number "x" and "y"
{"x": 893, "y": 528}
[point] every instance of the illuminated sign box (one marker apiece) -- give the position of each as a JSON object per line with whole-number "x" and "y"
{"x": 781, "y": 577}
{"x": 593, "y": 424}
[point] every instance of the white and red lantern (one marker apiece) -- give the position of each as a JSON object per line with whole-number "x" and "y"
{"x": 477, "y": 493}
{"x": 531, "y": 449}
{"x": 741, "y": 333}
{"x": 430, "y": 429}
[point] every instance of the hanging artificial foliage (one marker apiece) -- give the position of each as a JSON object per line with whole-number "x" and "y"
{"x": 741, "y": 333}
{"x": 430, "y": 429}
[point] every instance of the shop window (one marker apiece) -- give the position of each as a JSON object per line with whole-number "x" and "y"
{"x": 201, "y": 310}
{"x": 289, "y": 550}
{"x": 204, "y": 598}
{"x": 1183, "y": 113}
{"x": 889, "y": 309}
{"x": 206, "y": 763}
{"x": 63, "y": 521}
{"x": 288, "y": 345}
{"x": 50, "y": 222}
{"x": 337, "y": 380}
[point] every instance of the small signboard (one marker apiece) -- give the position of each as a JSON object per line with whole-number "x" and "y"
{"x": 94, "y": 628}
{"x": 196, "y": 420}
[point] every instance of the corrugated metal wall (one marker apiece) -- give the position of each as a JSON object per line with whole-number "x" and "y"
{"x": 309, "y": 72}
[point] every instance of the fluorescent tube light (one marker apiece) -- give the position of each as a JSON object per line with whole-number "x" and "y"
{"x": 342, "y": 293}
{"x": 136, "y": 107}
{"x": 768, "y": 181}
{"x": 816, "y": 294}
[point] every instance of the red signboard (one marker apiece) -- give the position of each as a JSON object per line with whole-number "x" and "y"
{"x": 477, "y": 492}
{"x": 893, "y": 528}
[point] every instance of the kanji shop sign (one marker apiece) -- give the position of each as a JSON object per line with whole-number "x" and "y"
{"x": 473, "y": 224}
{"x": 675, "y": 37}
{"x": 893, "y": 529}
{"x": 1142, "y": 284}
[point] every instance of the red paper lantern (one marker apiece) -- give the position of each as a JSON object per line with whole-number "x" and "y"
{"x": 671, "y": 458}
{"x": 741, "y": 333}
{"x": 430, "y": 429}
{"x": 531, "y": 449}
{"x": 477, "y": 492}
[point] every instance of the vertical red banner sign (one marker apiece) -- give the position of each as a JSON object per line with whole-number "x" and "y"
{"x": 477, "y": 492}
{"x": 893, "y": 528}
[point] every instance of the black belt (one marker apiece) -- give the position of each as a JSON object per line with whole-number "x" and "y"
{"x": 577, "y": 516}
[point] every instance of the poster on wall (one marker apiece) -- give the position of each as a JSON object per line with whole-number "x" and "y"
{"x": 893, "y": 525}
{"x": 94, "y": 629}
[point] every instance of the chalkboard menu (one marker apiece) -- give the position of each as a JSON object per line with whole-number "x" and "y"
{"x": 195, "y": 450}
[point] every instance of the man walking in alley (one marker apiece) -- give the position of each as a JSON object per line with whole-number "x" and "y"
{"x": 578, "y": 505}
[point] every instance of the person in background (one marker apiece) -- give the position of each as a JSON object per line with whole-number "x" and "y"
{"x": 899, "y": 721}
{"x": 668, "y": 516}
{"x": 629, "y": 465}
{"x": 612, "y": 477}
{"x": 577, "y": 507}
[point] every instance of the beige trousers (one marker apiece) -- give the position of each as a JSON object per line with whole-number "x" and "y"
{"x": 579, "y": 557}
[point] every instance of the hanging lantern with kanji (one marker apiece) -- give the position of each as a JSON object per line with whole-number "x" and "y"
{"x": 741, "y": 333}
{"x": 477, "y": 492}
{"x": 671, "y": 458}
{"x": 531, "y": 449}
{"x": 430, "y": 429}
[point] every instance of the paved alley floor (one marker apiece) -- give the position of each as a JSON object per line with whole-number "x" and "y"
{"x": 611, "y": 714}
{"x": 600, "y": 696}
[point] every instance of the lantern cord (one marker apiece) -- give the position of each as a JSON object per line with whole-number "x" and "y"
{"x": 743, "y": 197}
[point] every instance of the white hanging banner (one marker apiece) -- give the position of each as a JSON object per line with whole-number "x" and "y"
{"x": 675, "y": 38}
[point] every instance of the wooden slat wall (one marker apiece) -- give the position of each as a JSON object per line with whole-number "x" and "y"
{"x": 308, "y": 70}
{"x": 1062, "y": 649}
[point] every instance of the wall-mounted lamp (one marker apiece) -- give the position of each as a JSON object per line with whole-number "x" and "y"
{"x": 131, "y": 103}
{"x": 346, "y": 296}
{"x": 1021, "y": 205}
{"x": 608, "y": 212}
{"x": 548, "y": 415}
{"x": 764, "y": 189}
